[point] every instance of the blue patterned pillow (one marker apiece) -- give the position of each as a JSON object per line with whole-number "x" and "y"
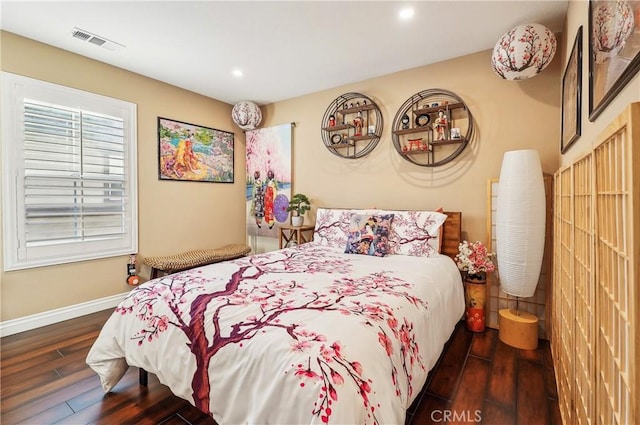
{"x": 369, "y": 234}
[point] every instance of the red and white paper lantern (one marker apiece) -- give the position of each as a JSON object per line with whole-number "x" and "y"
{"x": 247, "y": 115}
{"x": 523, "y": 52}
{"x": 613, "y": 23}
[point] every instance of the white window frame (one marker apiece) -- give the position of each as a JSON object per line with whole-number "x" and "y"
{"x": 15, "y": 89}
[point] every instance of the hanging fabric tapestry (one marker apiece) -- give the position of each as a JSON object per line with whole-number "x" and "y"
{"x": 268, "y": 178}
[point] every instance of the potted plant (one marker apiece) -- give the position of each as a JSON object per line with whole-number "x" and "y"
{"x": 298, "y": 204}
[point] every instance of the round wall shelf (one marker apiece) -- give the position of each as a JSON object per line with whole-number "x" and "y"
{"x": 432, "y": 128}
{"x": 351, "y": 126}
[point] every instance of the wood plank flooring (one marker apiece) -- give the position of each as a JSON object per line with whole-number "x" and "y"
{"x": 478, "y": 379}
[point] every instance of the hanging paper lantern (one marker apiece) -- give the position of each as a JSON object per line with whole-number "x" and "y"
{"x": 247, "y": 115}
{"x": 523, "y": 52}
{"x": 612, "y": 25}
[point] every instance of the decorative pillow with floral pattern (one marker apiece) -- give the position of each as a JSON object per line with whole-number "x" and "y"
{"x": 415, "y": 233}
{"x": 332, "y": 226}
{"x": 369, "y": 234}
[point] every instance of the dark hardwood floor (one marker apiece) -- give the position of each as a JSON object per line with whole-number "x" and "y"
{"x": 478, "y": 379}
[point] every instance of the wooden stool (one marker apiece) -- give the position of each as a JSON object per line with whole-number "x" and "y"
{"x": 187, "y": 260}
{"x": 518, "y": 330}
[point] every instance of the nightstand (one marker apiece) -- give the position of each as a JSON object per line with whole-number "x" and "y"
{"x": 289, "y": 235}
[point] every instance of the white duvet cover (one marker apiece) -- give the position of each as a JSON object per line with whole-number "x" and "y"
{"x": 304, "y": 335}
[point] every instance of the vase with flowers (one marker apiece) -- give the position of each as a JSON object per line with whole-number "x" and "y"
{"x": 474, "y": 260}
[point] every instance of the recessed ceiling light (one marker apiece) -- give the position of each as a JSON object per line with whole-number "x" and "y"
{"x": 406, "y": 13}
{"x": 237, "y": 73}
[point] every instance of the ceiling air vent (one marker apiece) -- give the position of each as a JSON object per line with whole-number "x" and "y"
{"x": 95, "y": 39}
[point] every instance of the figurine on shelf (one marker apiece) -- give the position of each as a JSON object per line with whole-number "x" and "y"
{"x": 455, "y": 133}
{"x": 440, "y": 125}
{"x": 405, "y": 122}
{"x": 357, "y": 123}
{"x": 332, "y": 120}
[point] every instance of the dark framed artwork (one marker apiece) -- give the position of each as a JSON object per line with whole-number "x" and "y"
{"x": 614, "y": 51}
{"x": 190, "y": 152}
{"x": 572, "y": 96}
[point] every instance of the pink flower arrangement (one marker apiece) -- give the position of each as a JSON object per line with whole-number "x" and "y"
{"x": 474, "y": 258}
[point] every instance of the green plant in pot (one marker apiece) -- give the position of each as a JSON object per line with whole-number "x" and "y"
{"x": 298, "y": 204}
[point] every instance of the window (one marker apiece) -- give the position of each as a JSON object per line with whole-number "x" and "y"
{"x": 69, "y": 174}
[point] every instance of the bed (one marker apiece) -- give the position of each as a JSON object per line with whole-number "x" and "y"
{"x": 308, "y": 334}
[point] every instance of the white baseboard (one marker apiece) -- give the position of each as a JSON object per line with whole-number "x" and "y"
{"x": 39, "y": 320}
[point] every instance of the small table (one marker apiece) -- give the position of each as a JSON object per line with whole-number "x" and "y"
{"x": 290, "y": 235}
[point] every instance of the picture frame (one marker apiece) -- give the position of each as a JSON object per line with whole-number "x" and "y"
{"x": 190, "y": 152}
{"x": 571, "y": 127}
{"x": 614, "y": 51}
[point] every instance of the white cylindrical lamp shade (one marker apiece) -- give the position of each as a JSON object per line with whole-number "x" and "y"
{"x": 520, "y": 222}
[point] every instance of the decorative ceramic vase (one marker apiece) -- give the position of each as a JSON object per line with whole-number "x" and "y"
{"x": 297, "y": 220}
{"x": 475, "y": 294}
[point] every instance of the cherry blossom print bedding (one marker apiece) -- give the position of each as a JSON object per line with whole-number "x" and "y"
{"x": 301, "y": 335}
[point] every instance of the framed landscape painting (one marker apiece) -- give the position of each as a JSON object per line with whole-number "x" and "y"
{"x": 190, "y": 152}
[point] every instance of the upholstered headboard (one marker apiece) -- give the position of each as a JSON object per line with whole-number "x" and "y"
{"x": 452, "y": 233}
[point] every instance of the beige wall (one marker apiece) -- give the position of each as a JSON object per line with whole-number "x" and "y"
{"x": 577, "y": 15}
{"x": 173, "y": 216}
{"x": 176, "y": 216}
{"x": 508, "y": 115}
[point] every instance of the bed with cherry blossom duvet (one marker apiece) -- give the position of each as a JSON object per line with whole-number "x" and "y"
{"x": 305, "y": 335}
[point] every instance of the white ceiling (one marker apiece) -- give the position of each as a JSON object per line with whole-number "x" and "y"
{"x": 285, "y": 49}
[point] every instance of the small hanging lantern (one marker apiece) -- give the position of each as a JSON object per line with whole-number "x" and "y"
{"x": 247, "y": 115}
{"x": 523, "y": 52}
{"x": 613, "y": 23}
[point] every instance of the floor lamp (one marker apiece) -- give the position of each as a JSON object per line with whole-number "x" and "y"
{"x": 520, "y": 234}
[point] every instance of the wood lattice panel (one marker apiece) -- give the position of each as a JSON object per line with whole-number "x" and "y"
{"x": 564, "y": 294}
{"x": 584, "y": 300}
{"x": 595, "y": 299}
{"x": 614, "y": 287}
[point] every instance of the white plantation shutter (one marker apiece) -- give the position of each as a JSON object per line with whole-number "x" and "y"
{"x": 72, "y": 163}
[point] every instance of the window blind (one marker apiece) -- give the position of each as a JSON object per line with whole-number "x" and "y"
{"x": 74, "y": 175}
{"x": 69, "y": 174}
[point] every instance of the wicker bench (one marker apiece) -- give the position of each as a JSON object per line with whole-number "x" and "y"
{"x": 187, "y": 260}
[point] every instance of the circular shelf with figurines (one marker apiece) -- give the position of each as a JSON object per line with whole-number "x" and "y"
{"x": 351, "y": 126}
{"x": 432, "y": 128}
